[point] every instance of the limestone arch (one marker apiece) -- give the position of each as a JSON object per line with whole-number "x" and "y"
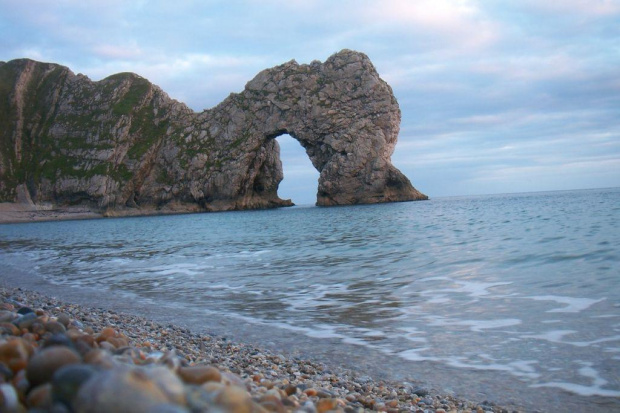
{"x": 346, "y": 118}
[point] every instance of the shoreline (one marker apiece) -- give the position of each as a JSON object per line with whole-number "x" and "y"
{"x": 259, "y": 370}
{"x": 15, "y": 213}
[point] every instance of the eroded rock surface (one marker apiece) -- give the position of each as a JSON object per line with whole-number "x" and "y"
{"x": 121, "y": 144}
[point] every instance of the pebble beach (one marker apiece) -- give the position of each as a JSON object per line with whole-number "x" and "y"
{"x": 61, "y": 357}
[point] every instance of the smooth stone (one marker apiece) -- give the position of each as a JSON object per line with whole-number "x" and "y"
{"x": 5, "y": 372}
{"x": 7, "y": 316}
{"x": 198, "y": 398}
{"x": 105, "y": 334}
{"x": 44, "y": 364}
{"x": 310, "y": 392}
{"x": 290, "y": 389}
{"x": 40, "y": 397}
{"x": 37, "y": 328}
{"x": 420, "y": 391}
{"x": 107, "y": 346}
{"x": 428, "y": 402}
{"x": 67, "y": 380}
{"x": 15, "y": 353}
{"x": 272, "y": 404}
{"x": 117, "y": 342}
{"x": 9, "y": 329}
{"x": 199, "y": 374}
{"x": 64, "y": 319}
{"x": 84, "y": 343}
{"x": 232, "y": 380}
{"x": 234, "y": 399}
{"x": 324, "y": 394}
{"x": 122, "y": 390}
{"x": 26, "y": 320}
{"x": 58, "y": 340}
{"x": 392, "y": 403}
{"x": 76, "y": 323}
{"x": 168, "y": 408}
{"x": 21, "y": 384}
{"x": 100, "y": 358}
{"x": 168, "y": 382}
{"x": 55, "y": 327}
{"x": 325, "y": 405}
{"x": 9, "y": 400}
{"x": 308, "y": 407}
{"x": 25, "y": 310}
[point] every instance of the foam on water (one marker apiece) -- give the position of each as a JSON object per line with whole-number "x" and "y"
{"x": 594, "y": 389}
{"x": 574, "y": 305}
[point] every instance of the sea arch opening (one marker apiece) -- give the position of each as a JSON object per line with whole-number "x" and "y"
{"x": 301, "y": 178}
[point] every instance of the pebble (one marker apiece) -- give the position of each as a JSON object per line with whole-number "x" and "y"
{"x": 44, "y": 364}
{"x": 122, "y": 390}
{"x": 67, "y": 381}
{"x": 63, "y": 358}
{"x": 199, "y": 374}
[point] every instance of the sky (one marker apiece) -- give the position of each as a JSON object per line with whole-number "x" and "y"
{"x": 496, "y": 96}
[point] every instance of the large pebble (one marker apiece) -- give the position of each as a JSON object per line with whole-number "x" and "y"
{"x": 25, "y": 310}
{"x": 100, "y": 358}
{"x": 9, "y": 329}
{"x": 44, "y": 364}
{"x": 58, "y": 340}
{"x": 122, "y": 390}
{"x": 9, "y": 400}
{"x": 40, "y": 397}
{"x": 6, "y": 316}
{"x": 15, "y": 353}
{"x": 26, "y": 320}
{"x": 168, "y": 382}
{"x": 234, "y": 399}
{"x": 67, "y": 381}
{"x": 55, "y": 327}
{"x": 199, "y": 374}
{"x": 64, "y": 319}
{"x": 325, "y": 405}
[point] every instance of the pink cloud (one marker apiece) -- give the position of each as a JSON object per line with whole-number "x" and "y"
{"x": 458, "y": 20}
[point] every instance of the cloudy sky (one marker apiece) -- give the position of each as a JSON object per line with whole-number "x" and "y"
{"x": 496, "y": 96}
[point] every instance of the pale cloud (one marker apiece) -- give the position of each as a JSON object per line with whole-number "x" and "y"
{"x": 125, "y": 52}
{"x": 533, "y": 68}
{"x": 457, "y": 20}
{"x": 596, "y": 8}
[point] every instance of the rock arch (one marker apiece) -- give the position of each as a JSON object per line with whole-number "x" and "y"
{"x": 121, "y": 145}
{"x": 343, "y": 114}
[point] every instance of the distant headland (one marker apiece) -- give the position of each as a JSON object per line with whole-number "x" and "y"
{"x": 122, "y": 146}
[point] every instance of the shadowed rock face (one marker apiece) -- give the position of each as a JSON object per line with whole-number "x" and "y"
{"x": 121, "y": 143}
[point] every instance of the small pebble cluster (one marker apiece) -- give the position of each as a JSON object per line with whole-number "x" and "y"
{"x": 57, "y": 357}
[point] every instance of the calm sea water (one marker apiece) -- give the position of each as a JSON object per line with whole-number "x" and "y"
{"x": 513, "y": 295}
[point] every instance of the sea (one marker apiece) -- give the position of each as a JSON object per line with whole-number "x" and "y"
{"x": 511, "y": 299}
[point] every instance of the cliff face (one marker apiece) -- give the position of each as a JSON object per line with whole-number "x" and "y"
{"x": 122, "y": 143}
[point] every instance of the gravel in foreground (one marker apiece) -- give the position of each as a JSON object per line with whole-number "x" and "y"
{"x": 58, "y": 357}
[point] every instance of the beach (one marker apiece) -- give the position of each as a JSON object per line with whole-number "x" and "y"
{"x": 21, "y": 212}
{"x": 163, "y": 367}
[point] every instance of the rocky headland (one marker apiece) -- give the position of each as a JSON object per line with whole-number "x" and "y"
{"x": 122, "y": 146}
